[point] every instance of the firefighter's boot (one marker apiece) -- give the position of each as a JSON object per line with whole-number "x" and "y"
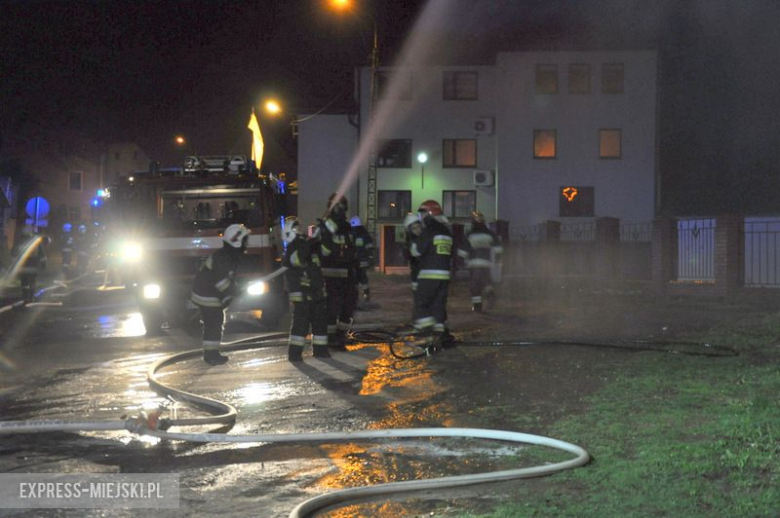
{"x": 295, "y": 353}
{"x": 213, "y": 357}
{"x": 476, "y": 307}
{"x": 321, "y": 351}
{"x": 366, "y": 295}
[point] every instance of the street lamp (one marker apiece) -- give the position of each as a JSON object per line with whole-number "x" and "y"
{"x": 422, "y": 157}
{"x": 371, "y": 204}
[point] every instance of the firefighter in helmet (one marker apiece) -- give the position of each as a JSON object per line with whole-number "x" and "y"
{"x": 68, "y": 244}
{"x": 364, "y": 253}
{"x": 478, "y": 250}
{"x": 435, "y": 251}
{"x": 32, "y": 251}
{"x": 214, "y": 288}
{"x": 306, "y": 291}
{"x": 337, "y": 249}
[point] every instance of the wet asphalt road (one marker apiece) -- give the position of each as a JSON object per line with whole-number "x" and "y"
{"x": 91, "y": 364}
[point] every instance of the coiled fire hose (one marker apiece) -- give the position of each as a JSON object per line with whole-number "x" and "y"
{"x": 225, "y": 414}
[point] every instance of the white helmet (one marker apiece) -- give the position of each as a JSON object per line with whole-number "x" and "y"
{"x": 410, "y": 219}
{"x": 355, "y": 221}
{"x": 291, "y": 228}
{"x": 234, "y": 235}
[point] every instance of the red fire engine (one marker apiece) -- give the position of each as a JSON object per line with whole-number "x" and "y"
{"x": 161, "y": 225}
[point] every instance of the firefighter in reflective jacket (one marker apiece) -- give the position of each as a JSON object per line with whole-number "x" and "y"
{"x": 364, "y": 253}
{"x": 337, "y": 250}
{"x": 478, "y": 249}
{"x": 306, "y": 291}
{"x": 215, "y": 286}
{"x": 434, "y": 250}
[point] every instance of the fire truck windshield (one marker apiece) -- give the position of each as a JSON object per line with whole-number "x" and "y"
{"x": 211, "y": 208}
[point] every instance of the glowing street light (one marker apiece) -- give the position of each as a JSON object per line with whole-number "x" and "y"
{"x": 180, "y": 140}
{"x": 273, "y": 107}
{"x": 422, "y": 157}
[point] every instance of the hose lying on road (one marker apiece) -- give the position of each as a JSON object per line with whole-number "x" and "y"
{"x": 226, "y": 414}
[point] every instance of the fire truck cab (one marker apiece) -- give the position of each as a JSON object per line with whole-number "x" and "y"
{"x": 161, "y": 226}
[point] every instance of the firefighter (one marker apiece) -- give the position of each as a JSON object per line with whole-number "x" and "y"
{"x": 83, "y": 242}
{"x": 435, "y": 251}
{"x": 337, "y": 250}
{"x": 306, "y": 290}
{"x": 214, "y": 287}
{"x": 478, "y": 249}
{"x": 364, "y": 254}
{"x": 413, "y": 228}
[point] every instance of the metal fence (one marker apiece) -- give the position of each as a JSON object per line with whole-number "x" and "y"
{"x": 696, "y": 249}
{"x": 578, "y": 231}
{"x": 636, "y": 232}
{"x": 762, "y": 251}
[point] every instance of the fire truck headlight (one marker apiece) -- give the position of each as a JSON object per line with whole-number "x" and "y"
{"x": 151, "y": 291}
{"x": 131, "y": 252}
{"x": 257, "y": 288}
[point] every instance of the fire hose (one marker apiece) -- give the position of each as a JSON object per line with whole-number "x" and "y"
{"x": 225, "y": 414}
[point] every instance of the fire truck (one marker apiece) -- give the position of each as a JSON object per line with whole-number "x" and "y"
{"x": 161, "y": 225}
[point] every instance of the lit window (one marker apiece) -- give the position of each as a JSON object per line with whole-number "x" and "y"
{"x": 576, "y": 201}
{"x": 460, "y": 153}
{"x": 459, "y": 204}
{"x": 579, "y": 78}
{"x": 460, "y": 86}
{"x": 75, "y": 180}
{"x": 610, "y": 145}
{"x": 612, "y": 78}
{"x": 545, "y": 143}
{"x": 394, "y": 153}
{"x": 394, "y": 85}
{"x": 547, "y": 79}
{"x": 394, "y": 204}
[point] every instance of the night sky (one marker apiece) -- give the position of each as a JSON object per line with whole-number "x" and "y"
{"x": 147, "y": 70}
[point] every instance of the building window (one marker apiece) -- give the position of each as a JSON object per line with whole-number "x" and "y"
{"x": 547, "y": 79}
{"x": 460, "y": 86}
{"x": 394, "y": 153}
{"x": 545, "y": 143}
{"x": 612, "y": 78}
{"x": 74, "y": 215}
{"x": 459, "y": 204}
{"x": 394, "y": 85}
{"x": 610, "y": 143}
{"x": 75, "y": 181}
{"x": 460, "y": 153}
{"x": 579, "y": 78}
{"x": 575, "y": 202}
{"x": 394, "y": 204}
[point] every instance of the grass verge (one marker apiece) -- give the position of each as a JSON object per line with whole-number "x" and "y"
{"x": 673, "y": 435}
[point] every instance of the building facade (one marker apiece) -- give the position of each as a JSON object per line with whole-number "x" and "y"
{"x": 537, "y": 136}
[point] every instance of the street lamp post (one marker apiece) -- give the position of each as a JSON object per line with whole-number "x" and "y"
{"x": 371, "y": 203}
{"x": 422, "y": 157}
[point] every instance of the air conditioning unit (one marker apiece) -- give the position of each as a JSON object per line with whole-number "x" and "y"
{"x": 483, "y": 126}
{"x": 483, "y": 178}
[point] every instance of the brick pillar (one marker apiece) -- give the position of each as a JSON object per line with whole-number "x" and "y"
{"x": 607, "y": 249}
{"x": 729, "y": 254}
{"x": 664, "y": 253}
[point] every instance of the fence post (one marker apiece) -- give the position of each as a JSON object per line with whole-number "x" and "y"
{"x": 729, "y": 254}
{"x": 607, "y": 249}
{"x": 664, "y": 252}
{"x": 551, "y": 257}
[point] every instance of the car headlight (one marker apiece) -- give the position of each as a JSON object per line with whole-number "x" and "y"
{"x": 152, "y": 291}
{"x": 131, "y": 252}
{"x": 257, "y": 288}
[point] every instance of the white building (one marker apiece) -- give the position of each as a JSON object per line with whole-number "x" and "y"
{"x": 538, "y": 136}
